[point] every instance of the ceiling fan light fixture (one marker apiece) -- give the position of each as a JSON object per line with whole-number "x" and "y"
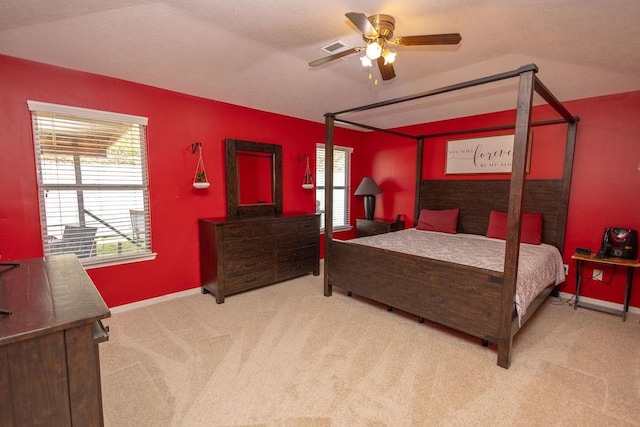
{"x": 366, "y": 62}
{"x": 377, "y": 33}
{"x": 389, "y": 56}
{"x": 374, "y": 50}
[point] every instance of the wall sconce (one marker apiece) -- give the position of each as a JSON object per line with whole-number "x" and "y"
{"x": 307, "y": 182}
{"x": 368, "y": 188}
{"x": 200, "y": 177}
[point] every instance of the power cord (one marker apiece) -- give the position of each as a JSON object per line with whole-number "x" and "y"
{"x": 571, "y": 300}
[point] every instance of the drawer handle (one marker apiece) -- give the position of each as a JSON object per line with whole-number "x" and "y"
{"x": 249, "y": 280}
{"x": 100, "y": 332}
{"x": 251, "y": 264}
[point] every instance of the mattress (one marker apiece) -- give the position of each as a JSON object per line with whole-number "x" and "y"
{"x": 538, "y": 265}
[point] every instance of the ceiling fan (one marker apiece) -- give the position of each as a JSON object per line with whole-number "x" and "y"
{"x": 377, "y": 31}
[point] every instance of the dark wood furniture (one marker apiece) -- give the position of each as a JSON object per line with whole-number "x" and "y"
{"x": 472, "y": 300}
{"x": 629, "y": 264}
{"x": 371, "y": 227}
{"x": 49, "y": 361}
{"x": 237, "y": 255}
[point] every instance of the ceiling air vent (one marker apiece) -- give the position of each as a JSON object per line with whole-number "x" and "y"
{"x": 336, "y": 47}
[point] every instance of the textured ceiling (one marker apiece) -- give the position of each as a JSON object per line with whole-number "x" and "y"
{"x": 255, "y": 53}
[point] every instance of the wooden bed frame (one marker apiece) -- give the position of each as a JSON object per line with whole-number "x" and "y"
{"x": 476, "y": 301}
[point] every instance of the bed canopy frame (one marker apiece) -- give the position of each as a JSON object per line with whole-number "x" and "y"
{"x": 528, "y": 85}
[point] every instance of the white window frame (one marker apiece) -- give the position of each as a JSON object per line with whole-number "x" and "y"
{"x": 124, "y": 230}
{"x": 347, "y": 188}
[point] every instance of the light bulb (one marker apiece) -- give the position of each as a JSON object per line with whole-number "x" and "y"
{"x": 366, "y": 62}
{"x": 374, "y": 50}
{"x": 388, "y": 56}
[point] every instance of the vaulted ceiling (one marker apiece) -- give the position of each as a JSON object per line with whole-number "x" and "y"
{"x": 255, "y": 53}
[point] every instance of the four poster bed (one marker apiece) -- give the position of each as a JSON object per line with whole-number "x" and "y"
{"x": 476, "y": 300}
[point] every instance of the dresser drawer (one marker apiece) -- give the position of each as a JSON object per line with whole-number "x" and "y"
{"x": 292, "y": 241}
{"x": 301, "y": 267}
{"x": 250, "y": 280}
{"x": 297, "y": 254}
{"x": 238, "y": 266}
{"x": 248, "y": 247}
{"x": 236, "y": 231}
{"x": 248, "y": 230}
{"x": 271, "y": 228}
{"x": 309, "y": 224}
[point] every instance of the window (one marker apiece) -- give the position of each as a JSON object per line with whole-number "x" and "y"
{"x": 341, "y": 163}
{"x": 92, "y": 183}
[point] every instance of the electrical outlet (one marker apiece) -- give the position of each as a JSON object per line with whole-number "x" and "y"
{"x": 597, "y": 275}
{"x": 566, "y": 269}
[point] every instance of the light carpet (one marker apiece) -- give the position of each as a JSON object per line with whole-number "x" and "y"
{"x": 285, "y": 355}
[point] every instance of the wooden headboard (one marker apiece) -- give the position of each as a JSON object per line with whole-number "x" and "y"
{"x": 476, "y": 199}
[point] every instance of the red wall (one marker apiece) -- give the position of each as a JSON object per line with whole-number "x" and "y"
{"x": 175, "y": 122}
{"x": 605, "y": 188}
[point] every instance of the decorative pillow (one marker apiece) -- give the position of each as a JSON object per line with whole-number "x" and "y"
{"x": 531, "y": 229}
{"x": 445, "y": 220}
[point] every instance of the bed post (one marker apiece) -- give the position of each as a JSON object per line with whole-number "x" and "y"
{"x": 516, "y": 195}
{"x": 569, "y": 151}
{"x": 416, "y": 208}
{"x": 328, "y": 198}
{"x": 563, "y": 209}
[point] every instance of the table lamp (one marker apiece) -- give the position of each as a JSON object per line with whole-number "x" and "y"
{"x": 368, "y": 188}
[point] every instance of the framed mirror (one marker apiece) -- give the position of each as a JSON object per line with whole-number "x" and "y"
{"x": 254, "y": 178}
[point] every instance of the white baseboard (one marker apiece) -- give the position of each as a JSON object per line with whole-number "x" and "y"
{"x": 151, "y": 301}
{"x": 162, "y": 298}
{"x": 601, "y": 303}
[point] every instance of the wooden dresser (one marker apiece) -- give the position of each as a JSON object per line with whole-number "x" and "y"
{"x": 241, "y": 254}
{"x": 49, "y": 361}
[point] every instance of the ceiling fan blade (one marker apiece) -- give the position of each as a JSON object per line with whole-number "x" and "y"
{"x": 433, "y": 39}
{"x": 387, "y": 70}
{"x": 361, "y": 22}
{"x": 334, "y": 56}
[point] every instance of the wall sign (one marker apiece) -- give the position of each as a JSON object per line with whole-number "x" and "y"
{"x": 491, "y": 154}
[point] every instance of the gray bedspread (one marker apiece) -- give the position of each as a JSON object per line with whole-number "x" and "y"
{"x": 538, "y": 266}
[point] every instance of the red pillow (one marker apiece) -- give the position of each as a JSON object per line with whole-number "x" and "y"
{"x": 531, "y": 229}
{"x": 445, "y": 220}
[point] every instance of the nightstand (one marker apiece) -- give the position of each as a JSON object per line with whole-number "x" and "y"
{"x": 367, "y": 227}
{"x": 629, "y": 264}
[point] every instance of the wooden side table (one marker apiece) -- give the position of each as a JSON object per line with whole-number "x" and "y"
{"x": 630, "y": 265}
{"x": 367, "y": 227}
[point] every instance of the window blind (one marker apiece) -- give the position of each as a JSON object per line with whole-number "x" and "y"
{"x": 92, "y": 183}
{"x": 341, "y": 205}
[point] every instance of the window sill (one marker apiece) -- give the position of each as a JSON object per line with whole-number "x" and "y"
{"x": 89, "y": 264}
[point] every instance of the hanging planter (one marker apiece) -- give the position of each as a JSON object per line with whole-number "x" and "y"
{"x": 200, "y": 177}
{"x": 307, "y": 182}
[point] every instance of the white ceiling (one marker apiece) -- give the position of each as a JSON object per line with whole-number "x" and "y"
{"x": 255, "y": 53}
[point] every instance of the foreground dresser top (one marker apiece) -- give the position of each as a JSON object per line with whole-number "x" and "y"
{"x": 45, "y": 295}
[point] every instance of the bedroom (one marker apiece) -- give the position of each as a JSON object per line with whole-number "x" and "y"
{"x": 607, "y": 155}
